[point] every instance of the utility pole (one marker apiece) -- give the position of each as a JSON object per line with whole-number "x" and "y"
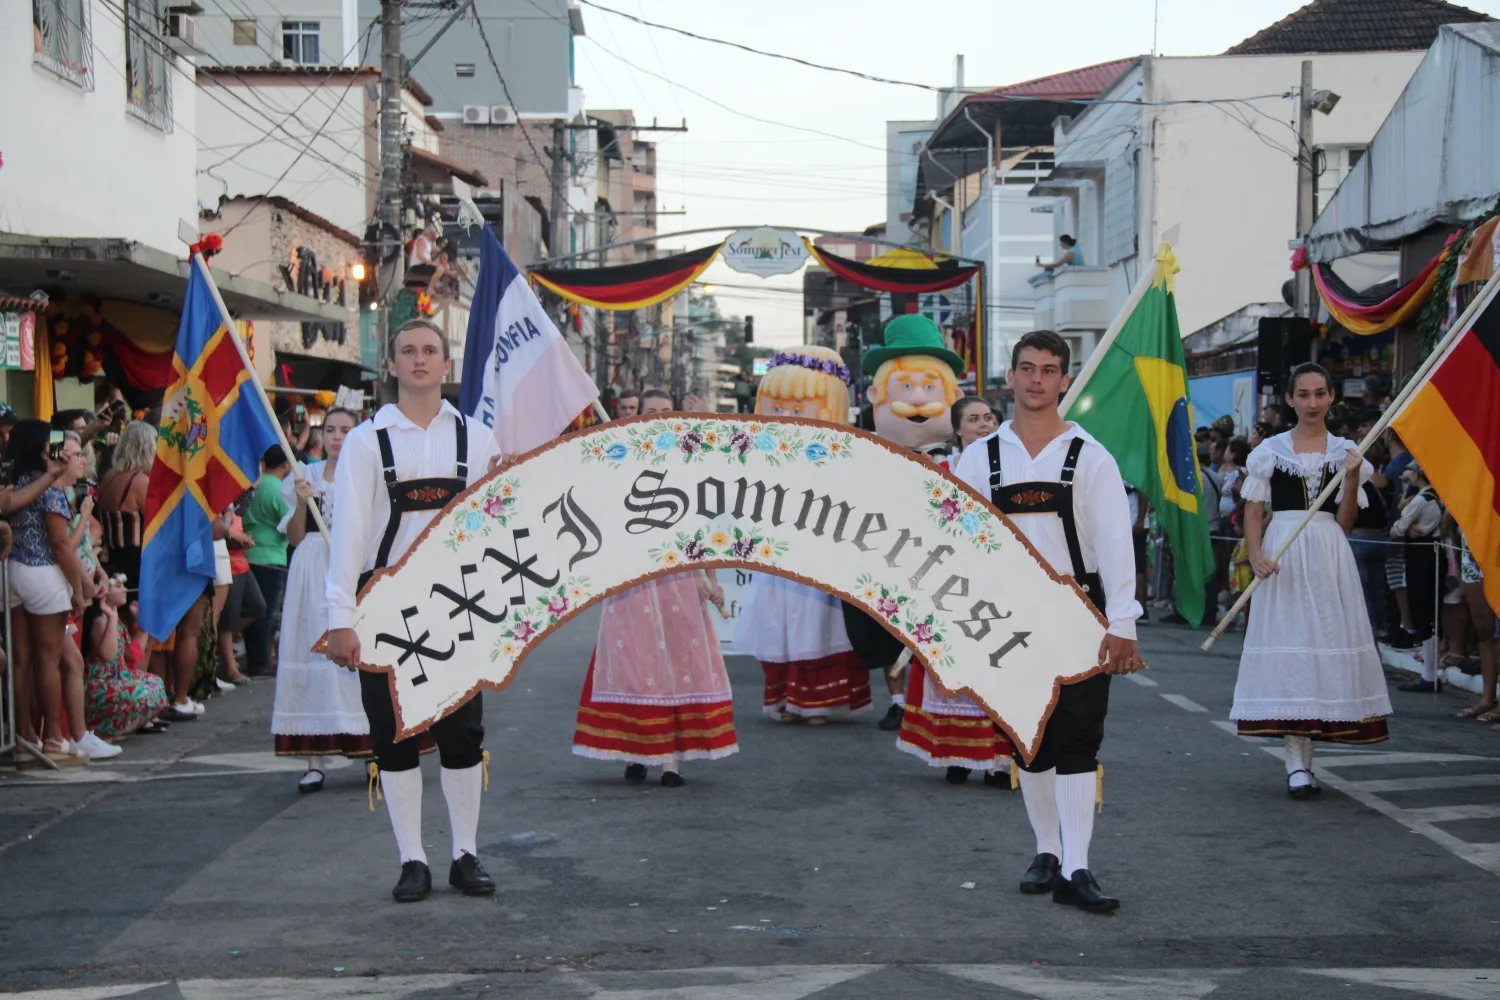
{"x": 1305, "y": 182}
{"x": 390, "y": 261}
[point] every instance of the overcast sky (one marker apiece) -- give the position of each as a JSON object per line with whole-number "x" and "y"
{"x": 729, "y": 169}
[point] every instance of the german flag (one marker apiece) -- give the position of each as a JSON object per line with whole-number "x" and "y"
{"x": 943, "y": 273}
{"x": 1452, "y": 427}
{"x": 628, "y": 286}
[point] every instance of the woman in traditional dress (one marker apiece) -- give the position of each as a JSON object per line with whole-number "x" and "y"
{"x": 951, "y": 730}
{"x": 657, "y": 691}
{"x": 318, "y": 711}
{"x": 1309, "y": 671}
{"x": 797, "y": 632}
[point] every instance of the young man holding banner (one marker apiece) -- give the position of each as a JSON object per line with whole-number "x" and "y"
{"x": 396, "y": 472}
{"x": 1063, "y": 491}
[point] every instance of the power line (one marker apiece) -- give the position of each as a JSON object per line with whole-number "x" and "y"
{"x": 495, "y": 65}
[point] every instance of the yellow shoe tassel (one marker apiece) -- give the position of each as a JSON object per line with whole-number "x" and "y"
{"x": 1015, "y": 775}
{"x": 374, "y": 789}
{"x": 484, "y": 762}
{"x": 1099, "y": 786}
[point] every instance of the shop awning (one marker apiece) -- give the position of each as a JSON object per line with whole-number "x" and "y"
{"x": 126, "y": 271}
{"x": 303, "y": 371}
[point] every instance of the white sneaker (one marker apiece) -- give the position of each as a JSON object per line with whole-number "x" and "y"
{"x": 96, "y": 748}
{"x": 223, "y": 685}
{"x": 189, "y": 705}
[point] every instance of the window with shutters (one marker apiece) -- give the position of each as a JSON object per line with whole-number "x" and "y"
{"x": 148, "y": 93}
{"x": 61, "y": 39}
{"x": 1119, "y": 209}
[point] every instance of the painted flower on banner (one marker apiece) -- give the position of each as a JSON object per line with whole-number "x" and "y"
{"x": 816, "y": 452}
{"x": 532, "y": 621}
{"x": 900, "y": 610}
{"x": 958, "y": 514}
{"x": 482, "y": 513}
{"x": 717, "y": 543}
{"x": 658, "y": 441}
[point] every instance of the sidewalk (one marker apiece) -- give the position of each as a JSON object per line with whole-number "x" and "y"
{"x": 1406, "y": 660}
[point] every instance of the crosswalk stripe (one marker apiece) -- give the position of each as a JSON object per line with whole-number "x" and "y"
{"x": 1427, "y": 783}
{"x": 1184, "y": 702}
{"x": 1449, "y": 814}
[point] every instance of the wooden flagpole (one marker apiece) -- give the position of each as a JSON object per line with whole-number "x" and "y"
{"x": 1112, "y": 334}
{"x": 260, "y": 390}
{"x": 1418, "y": 380}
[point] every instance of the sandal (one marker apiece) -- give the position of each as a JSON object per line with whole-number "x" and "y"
{"x": 1491, "y": 716}
{"x": 1479, "y": 711}
{"x": 64, "y": 754}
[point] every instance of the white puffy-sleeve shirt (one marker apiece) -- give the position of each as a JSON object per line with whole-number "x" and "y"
{"x": 1101, "y": 510}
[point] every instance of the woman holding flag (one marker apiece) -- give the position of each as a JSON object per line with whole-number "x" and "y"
{"x": 1309, "y": 671}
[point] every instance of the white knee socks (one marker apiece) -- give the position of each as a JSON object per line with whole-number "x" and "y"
{"x": 672, "y": 764}
{"x": 461, "y": 787}
{"x": 1039, "y": 791}
{"x": 1429, "y": 659}
{"x": 403, "y": 800}
{"x": 1075, "y": 810}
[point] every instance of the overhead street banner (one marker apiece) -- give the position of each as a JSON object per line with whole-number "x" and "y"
{"x": 594, "y": 513}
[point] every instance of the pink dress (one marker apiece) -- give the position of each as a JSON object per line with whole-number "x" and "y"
{"x": 656, "y": 686}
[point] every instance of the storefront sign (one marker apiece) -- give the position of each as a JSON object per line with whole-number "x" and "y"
{"x": 595, "y": 513}
{"x": 10, "y": 347}
{"x": 765, "y": 251}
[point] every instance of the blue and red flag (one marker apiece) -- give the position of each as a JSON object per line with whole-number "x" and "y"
{"x": 214, "y": 430}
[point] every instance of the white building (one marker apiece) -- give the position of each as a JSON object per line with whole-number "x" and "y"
{"x": 1207, "y": 145}
{"x": 97, "y": 192}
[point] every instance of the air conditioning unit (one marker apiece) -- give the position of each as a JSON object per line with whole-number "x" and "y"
{"x": 503, "y": 114}
{"x": 179, "y": 28}
{"x": 476, "y": 114}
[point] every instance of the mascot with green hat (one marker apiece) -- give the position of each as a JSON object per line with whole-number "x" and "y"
{"x": 915, "y": 384}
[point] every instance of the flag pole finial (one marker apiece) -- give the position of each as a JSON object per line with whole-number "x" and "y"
{"x": 1168, "y": 261}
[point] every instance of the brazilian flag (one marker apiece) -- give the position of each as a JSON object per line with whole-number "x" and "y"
{"x": 1136, "y": 404}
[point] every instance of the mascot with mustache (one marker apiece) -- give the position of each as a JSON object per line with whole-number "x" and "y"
{"x": 912, "y": 394}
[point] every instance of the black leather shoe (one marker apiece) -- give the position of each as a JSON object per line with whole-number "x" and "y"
{"x": 468, "y": 876}
{"x": 958, "y": 775}
{"x": 635, "y": 772}
{"x": 1306, "y": 791}
{"x": 1082, "y": 891}
{"x": 892, "y": 720}
{"x": 1421, "y": 687}
{"x": 1000, "y": 780}
{"x": 415, "y": 882}
{"x": 1045, "y": 872}
{"x": 671, "y": 779}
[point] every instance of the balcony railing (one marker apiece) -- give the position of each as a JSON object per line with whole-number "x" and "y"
{"x": 1071, "y": 298}
{"x": 62, "y": 39}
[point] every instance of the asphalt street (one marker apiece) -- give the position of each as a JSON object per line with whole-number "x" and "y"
{"x": 818, "y": 862}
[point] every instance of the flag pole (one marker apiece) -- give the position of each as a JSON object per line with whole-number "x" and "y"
{"x": 260, "y": 390}
{"x": 1414, "y": 385}
{"x": 1116, "y": 325}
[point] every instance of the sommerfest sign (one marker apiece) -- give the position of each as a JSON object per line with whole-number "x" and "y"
{"x": 589, "y": 515}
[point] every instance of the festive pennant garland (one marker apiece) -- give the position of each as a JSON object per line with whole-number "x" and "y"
{"x": 628, "y": 286}
{"x": 946, "y": 273}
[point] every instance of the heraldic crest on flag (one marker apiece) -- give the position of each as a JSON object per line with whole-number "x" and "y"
{"x": 214, "y": 431}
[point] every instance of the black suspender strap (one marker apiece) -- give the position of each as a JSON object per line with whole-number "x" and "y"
{"x": 997, "y": 478}
{"x": 463, "y": 450}
{"x": 392, "y": 488}
{"x": 1070, "y": 525}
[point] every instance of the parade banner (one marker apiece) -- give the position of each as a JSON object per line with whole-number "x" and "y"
{"x": 591, "y": 514}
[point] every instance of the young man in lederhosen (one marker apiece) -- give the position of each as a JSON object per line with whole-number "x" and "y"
{"x": 1063, "y": 492}
{"x": 395, "y": 474}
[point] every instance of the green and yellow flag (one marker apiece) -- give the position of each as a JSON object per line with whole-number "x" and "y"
{"x": 1136, "y": 404}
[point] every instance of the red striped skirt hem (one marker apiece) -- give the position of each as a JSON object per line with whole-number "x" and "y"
{"x": 817, "y": 687}
{"x": 650, "y": 733}
{"x": 1365, "y": 731}
{"x": 952, "y": 740}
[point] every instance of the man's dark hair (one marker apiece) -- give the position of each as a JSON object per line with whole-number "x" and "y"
{"x": 628, "y": 394}
{"x": 1366, "y": 415}
{"x": 1042, "y": 340}
{"x": 104, "y": 391}
{"x": 274, "y": 458}
{"x": 63, "y": 420}
{"x": 656, "y": 394}
{"x": 414, "y": 324}
{"x": 1067, "y": 240}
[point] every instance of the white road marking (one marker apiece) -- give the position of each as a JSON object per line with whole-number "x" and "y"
{"x": 1449, "y": 814}
{"x": 1141, "y": 679}
{"x": 1425, "y": 783}
{"x": 1184, "y": 702}
{"x": 1461, "y": 984}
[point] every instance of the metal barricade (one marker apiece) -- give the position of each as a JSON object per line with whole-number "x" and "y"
{"x": 8, "y": 682}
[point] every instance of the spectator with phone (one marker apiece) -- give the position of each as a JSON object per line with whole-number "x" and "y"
{"x": 47, "y": 582}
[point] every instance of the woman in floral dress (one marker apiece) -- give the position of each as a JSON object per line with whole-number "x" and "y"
{"x": 119, "y": 699}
